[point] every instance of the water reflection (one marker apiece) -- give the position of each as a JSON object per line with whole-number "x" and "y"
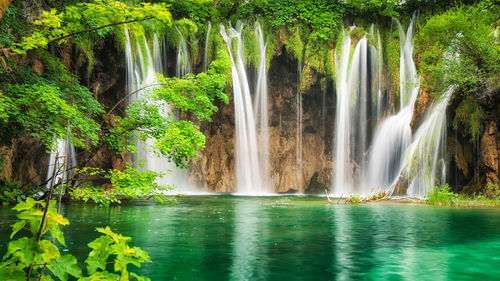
{"x": 283, "y": 238}
{"x": 248, "y": 253}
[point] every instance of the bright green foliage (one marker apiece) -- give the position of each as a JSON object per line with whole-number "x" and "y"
{"x": 198, "y": 11}
{"x": 178, "y": 140}
{"x": 467, "y": 32}
{"x": 458, "y": 47}
{"x": 321, "y": 17}
{"x": 441, "y": 195}
{"x": 100, "y": 16}
{"x": 29, "y": 253}
{"x": 45, "y": 106}
{"x": 130, "y": 183}
{"x": 114, "y": 248}
{"x": 445, "y": 197}
{"x": 386, "y": 8}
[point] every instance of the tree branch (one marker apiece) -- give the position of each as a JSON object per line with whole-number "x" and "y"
{"x": 97, "y": 28}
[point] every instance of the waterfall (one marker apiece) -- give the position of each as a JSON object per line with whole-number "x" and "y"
{"x": 205, "y": 57}
{"x": 353, "y": 99}
{"x": 250, "y": 176}
{"x": 56, "y": 170}
{"x": 261, "y": 110}
{"x": 424, "y": 160}
{"x": 183, "y": 65}
{"x": 394, "y": 134}
{"x": 342, "y": 184}
{"x": 141, "y": 71}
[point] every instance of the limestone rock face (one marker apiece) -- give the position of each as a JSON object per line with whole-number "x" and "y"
{"x": 489, "y": 153}
{"x": 215, "y": 167}
{"x": 25, "y": 161}
{"x": 421, "y": 106}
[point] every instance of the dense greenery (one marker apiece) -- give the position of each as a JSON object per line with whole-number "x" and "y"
{"x": 42, "y": 99}
{"x": 32, "y": 255}
{"x": 458, "y": 47}
{"x": 443, "y": 196}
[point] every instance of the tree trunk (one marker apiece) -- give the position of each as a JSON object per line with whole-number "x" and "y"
{"x": 4, "y": 4}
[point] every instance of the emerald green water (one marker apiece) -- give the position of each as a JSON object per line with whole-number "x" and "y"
{"x": 294, "y": 238}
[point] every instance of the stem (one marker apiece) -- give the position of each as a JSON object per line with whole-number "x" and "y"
{"x": 133, "y": 93}
{"x": 65, "y": 170}
{"x": 46, "y": 209}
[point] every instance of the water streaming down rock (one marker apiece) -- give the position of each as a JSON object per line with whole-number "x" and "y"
{"x": 250, "y": 176}
{"x": 394, "y": 134}
{"x": 205, "y": 57}
{"x": 424, "y": 160}
{"x": 356, "y": 104}
{"x": 141, "y": 71}
{"x": 183, "y": 65}
{"x": 261, "y": 110}
{"x": 62, "y": 163}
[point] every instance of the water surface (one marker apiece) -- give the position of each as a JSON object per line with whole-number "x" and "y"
{"x": 294, "y": 238}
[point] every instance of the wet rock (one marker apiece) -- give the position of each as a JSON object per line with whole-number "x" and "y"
{"x": 489, "y": 153}
{"x": 314, "y": 186}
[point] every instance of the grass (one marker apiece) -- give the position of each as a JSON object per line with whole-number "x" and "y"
{"x": 443, "y": 196}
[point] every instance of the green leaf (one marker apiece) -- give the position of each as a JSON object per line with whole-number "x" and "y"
{"x": 22, "y": 250}
{"x": 64, "y": 265}
{"x": 101, "y": 276}
{"x": 98, "y": 257}
{"x": 49, "y": 251}
{"x": 57, "y": 234}
{"x": 17, "y": 226}
{"x": 11, "y": 273}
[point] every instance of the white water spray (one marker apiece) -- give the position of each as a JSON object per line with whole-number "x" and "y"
{"x": 250, "y": 176}
{"x": 394, "y": 134}
{"x": 141, "y": 71}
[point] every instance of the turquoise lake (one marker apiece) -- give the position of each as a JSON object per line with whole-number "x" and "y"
{"x": 293, "y": 238}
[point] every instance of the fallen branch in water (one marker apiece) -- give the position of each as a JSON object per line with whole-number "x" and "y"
{"x": 328, "y": 197}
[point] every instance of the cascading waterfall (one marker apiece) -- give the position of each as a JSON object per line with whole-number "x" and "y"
{"x": 261, "y": 109}
{"x": 424, "y": 160}
{"x": 250, "y": 176}
{"x": 183, "y": 65}
{"x": 342, "y": 185}
{"x": 141, "y": 71}
{"x": 355, "y": 104}
{"x": 394, "y": 134}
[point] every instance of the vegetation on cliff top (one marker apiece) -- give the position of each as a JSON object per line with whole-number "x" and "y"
{"x": 38, "y": 86}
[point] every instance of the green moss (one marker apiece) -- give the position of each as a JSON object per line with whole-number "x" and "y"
{"x": 391, "y": 53}
{"x": 469, "y": 115}
{"x": 250, "y": 46}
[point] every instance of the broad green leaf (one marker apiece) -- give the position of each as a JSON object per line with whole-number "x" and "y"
{"x": 49, "y": 250}
{"x": 21, "y": 250}
{"x": 27, "y": 205}
{"x": 57, "y": 234}
{"x": 12, "y": 273}
{"x": 64, "y": 265}
{"x": 17, "y": 226}
{"x": 100, "y": 254}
